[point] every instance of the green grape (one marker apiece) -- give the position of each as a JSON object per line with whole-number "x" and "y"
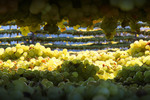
{"x": 47, "y": 83}
{"x": 40, "y": 53}
{"x": 1, "y": 82}
{"x": 86, "y": 62}
{"x": 61, "y": 84}
{"x": 104, "y": 91}
{"x": 31, "y": 53}
{"x": 8, "y": 49}
{"x": 146, "y": 73}
{"x": 113, "y": 90}
{"x": 129, "y": 79}
{"x": 68, "y": 88}
{"x": 99, "y": 97}
{"x": 65, "y": 74}
{"x": 138, "y": 76}
{"x": 75, "y": 61}
{"x": 111, "y": 23}
{"x": 5, "y": 77}
{"x": 29, "y": 89}
{"x": 16, "y": 95}
{"x": 1, "y": 51}
{"x": 20, "y": 50}
{"x": 20, "y": 71}
{"x": 126, "y": 5}
{"x": 24, "y": 30}
{"x": 17, "y": 54}
{"x": 147, "y": 76}
{"x": 34, "y": 28}
{"x": 4, "y": 94}
{"x": 75, "y": 74}
{"x": 54, "y": 93}
{"x": 25, "y": 48}
{"x": 13, "y": 72}
{"x": 37, "y": 6}
{"x": 23, "y": 79}
{"x": 75, "y": 96}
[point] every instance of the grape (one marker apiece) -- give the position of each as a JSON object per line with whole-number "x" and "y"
{"x": 8, "y": 50}
{"x": 5, "y": 77}
{"x": 31, "y": 53}
{"x": 147, "y": 52}
{"x": 138, "y": 76}
{"x": 17, "y": 54}
{"x": 34, "y": 28}
{"x": 126, "y": 5}
{"x": 20, "y": 51}
{"x": 1, "y": 51}
{"x": 37, "y": 6}
{"x": 147, "y": 75}
{"x": 24, "y": 30}
{"x": 113, "y": 90}
{"x": 47, "y": 83}
{"x": 13, "y": 49}
{"x": 65, "y": 51}
{"x": 75, "y": 74}
{"x": 99, "y": 97}
{"x": 23, "y": 79}
{"x": 54, "y": 93}
{"x": 16, "y": 95}
{"x": 75, "y": 96}
{"x": 20, "y": 71}
{"x": 4, "y": 94}
{"x": 65, "y": 74}
{"x": 111, "y": 23}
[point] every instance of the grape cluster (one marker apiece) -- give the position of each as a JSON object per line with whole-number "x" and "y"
{"x": 47, "y": 85}
{"x": 76, "y": 70}
{"x": 112, "y": 24}
{"x": 37, "y": 57}
{"x": 134, "y": 75}
{"x": 127, "y": 5}
{"x": 25, "y": 52}
{"x": 139, "y": 48}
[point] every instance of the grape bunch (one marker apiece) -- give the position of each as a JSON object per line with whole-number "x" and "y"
{"x": 77, "y": 70}
{"x": 112, "y": 24}
{"x": 41, "y": 85}
{"x": 139, "y": 48}
{"x": 134, "y": 75}
{"x": 127, "y": 5}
